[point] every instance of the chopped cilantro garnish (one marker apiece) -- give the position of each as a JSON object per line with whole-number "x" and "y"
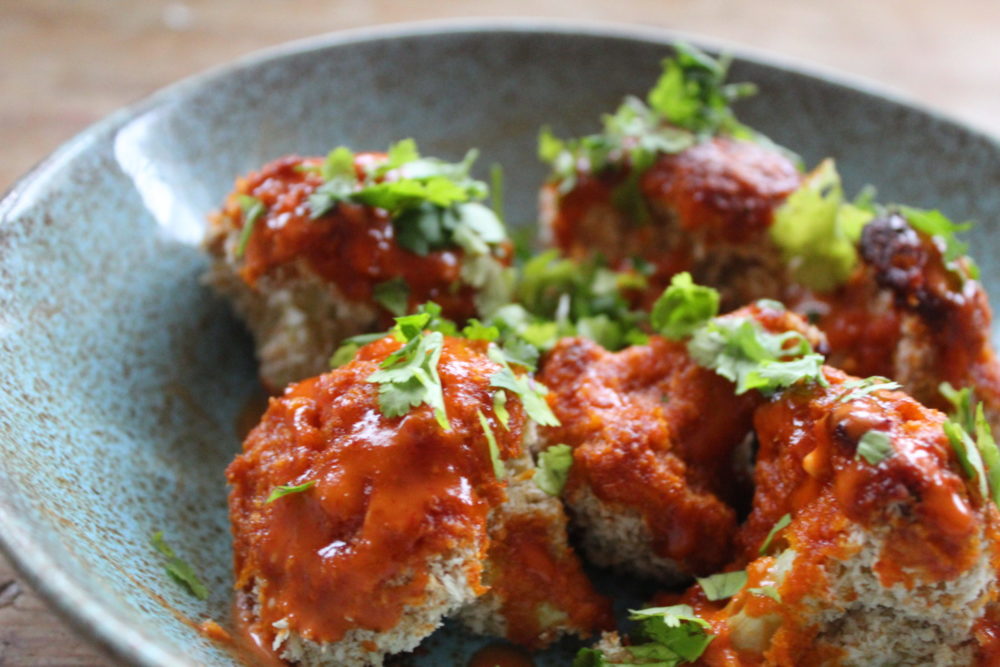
{"x": 937, "y": 225}
{"x": 723, "y": 585}
{"x": 692, "y": 93}
{"x": 690, "y": 101}
{"x": 579, "y": 298}
{"x": 856, "y": 389}
{"x": 766, "y": 591}
{"x": 252, "y": 210}
{"x": 287, "y": 489}
{"x": 742, "y": 351}
{"x": 683, "y": 307}
{"x": 476, "y": 330}
{"x": 409, "y": 377}
{"x": 779, "y": 526}
{"x": 680, "y": 634}
{"x": 393, "y": 295}
{"x": 874, "y": 447}
{"x": 433, "y": 204}
{"x": 553, "y": 469}
{"x": 531, "y": 392}
{"x": 178, "y": 569}
{"x": 494, "y": 449}
{"x": 817, "y": 230}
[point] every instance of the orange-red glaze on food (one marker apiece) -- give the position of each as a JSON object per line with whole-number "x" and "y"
{"x": 389, "y": 494}
{"x": 808, "y": 444}
{"x": 353, "y": 246}
{"x": 536, "y": 582}
{"x": 724, "y": 190}
{"x": 721, "y": 190}
{"x": 654, "y": 432}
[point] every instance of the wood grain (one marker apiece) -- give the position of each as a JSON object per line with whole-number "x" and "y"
{"x": 67, "y": 64}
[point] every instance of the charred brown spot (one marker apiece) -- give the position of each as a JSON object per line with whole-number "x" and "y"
{"x": 910, "y": 265}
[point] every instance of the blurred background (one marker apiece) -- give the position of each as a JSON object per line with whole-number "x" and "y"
{"x": 67, "y": 63}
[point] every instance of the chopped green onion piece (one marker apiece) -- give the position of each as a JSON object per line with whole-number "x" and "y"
{"x": 860, "y": 388}
{"x": 500, "y": 408}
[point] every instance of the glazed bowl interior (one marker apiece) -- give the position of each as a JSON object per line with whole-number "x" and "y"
{"x": 123, "y": 376}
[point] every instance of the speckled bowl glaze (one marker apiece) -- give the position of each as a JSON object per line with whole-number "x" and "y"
{"x": 122, "y": 376}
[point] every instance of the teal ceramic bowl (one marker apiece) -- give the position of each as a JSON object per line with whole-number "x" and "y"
{"x": 122, "y": 376}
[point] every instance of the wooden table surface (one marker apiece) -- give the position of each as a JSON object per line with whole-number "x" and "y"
{"x": 68, "y": 63}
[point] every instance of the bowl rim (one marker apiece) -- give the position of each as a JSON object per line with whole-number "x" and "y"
{"x": 98, "y": 623}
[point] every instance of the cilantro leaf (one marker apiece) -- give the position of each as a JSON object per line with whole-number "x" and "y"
{"x": 531, "y": 392}
{"x": 491, "y": 441}
{"x": 723, "y": 585}
{"x": 937, "y": 225}
{"x": 476, "y": 330}
{"x": 590, "y": 657}
{"x": 286, "y": 489}
{"x": 177, "y": 568}
{"x": 742, "y": 351}
{"x": 339, "y": 164}
{"x": 393, "y": 295}
{"x": 859, "y": 388}
{"x": 874, "y": 447}
{"x": 553, "y": 469}
{"x": 692, "y": 93}
{"x": 779, "y": 526}
{"x": 688, "y": 102}
{"x": 674, "y": 628}
{"x": 252, "y": 210}
{"x": 817, "y": 230}
{"x": 683, "y": 307}
{"x": 408, "y": 377}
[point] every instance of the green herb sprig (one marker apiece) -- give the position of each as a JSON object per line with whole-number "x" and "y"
{"x": 667, "y": 636}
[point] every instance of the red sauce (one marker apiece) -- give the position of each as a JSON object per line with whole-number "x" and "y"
{"x": 644, "y": 438}
{"x": 353, "y": 246}
{"x": 542, "y": 585}
{"x": 389, "y": 494}
{"x": 808, "y": 443}
{"x": 723, "y": 190}
{"x": 500, "y": 655}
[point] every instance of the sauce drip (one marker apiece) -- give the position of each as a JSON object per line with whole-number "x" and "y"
{"x": 541, "y": 584}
